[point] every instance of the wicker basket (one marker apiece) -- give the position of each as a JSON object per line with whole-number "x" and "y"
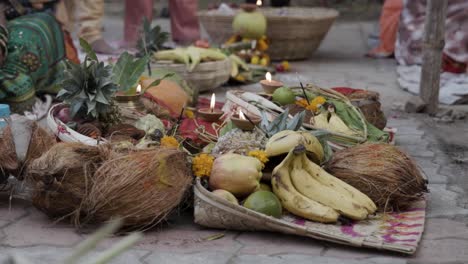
{"x": 379, "y": 232}
{"x": 66, "y": 134}
{"x": 295, "y": 33}
{"x": 205, "y": 77}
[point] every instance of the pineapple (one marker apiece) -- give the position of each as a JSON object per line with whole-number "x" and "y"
{"x": 241, "y": 142}
{"x": 88, "y": 89}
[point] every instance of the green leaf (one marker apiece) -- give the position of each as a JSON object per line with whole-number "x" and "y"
{"x": 88, "y": 50}
{"x": 75, "y": 107}
{"x": 158, "y": 81}
{"x": 127, "y": 70}
{"x": 296, "y": 123}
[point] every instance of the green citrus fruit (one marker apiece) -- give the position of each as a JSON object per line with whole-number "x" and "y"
{"x": 264, "y": 202}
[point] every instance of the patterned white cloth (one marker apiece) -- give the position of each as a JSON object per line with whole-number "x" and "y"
{"x": 453, "y": 87}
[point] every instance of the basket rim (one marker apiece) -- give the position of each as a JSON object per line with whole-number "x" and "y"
{"x": 331, "y": 13}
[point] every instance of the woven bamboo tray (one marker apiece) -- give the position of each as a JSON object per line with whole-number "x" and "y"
{"x": 205, "y": 77}
{"x": 399, "y": 232}
{"x": 295, "y": 33}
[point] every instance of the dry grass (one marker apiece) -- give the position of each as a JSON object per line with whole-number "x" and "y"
{"x": 8, "y": 159}
{"x": 381, "y": 171}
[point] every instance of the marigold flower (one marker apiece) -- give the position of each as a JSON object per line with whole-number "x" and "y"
{"x": 260, "y": 155}
{"x": 202, "y": 164}
{"x": 169, "y": 142}
{"x": 314, "y": 104}
{"x": 189, "y": 114}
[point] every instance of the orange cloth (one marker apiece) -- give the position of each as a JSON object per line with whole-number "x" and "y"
{"x": 70, "y": 49}
{"x": 389, "y": 21}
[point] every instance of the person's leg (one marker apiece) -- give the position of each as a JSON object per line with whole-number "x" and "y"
{"x": 389, "y": 21}
{"x": 135, "y": 11}
{"x": 90, "y": 14}
{"x": 184, "y": 21}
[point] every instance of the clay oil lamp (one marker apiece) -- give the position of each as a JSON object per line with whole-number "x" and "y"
{"x": 210, "y": 114}
{"x": 244, "y": 122}
{"x": 269, "y": 85}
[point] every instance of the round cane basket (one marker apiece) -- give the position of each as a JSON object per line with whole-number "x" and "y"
{"x": 205, "y": 77}
{"x": 294, "y": 33}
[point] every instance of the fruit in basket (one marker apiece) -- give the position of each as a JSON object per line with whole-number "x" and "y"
{"x": 299, "y": 180}
{"x": 64, "y": 115}
{"x": 264, "y": 202}
{"x": 330, "y": 121}
{"x": 250, "y": 23}
{"x": 284, "y": 96}
{"x": 223, "y": 194}
{"x": 235, "y": 173}
{"x": 295, "y": 202}
{"x": 190, "y": 56}
{"x": 315, "y": 183}
{"x": 284, "y": 141}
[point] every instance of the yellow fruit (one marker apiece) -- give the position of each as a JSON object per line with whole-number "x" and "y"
{"x": 223, "y": 194}
{"x": 265, "y": 61}
{"x": 295, "y": 202}
{"x": 255, "y": 60}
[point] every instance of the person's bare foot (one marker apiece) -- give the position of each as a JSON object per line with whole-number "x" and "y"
{"x": 101, "y": 46}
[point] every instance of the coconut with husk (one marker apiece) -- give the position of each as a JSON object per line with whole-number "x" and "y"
{"x": 8, "y": 159}
{"x": 142, "y": 187}
{"x": 94, "y": 184}
{"x": 381, "y": 171}
{"x": 62, "y": 177}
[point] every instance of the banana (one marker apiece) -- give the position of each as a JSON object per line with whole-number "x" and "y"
{"x": 283, "y": 141}
{"x": 330, "y": 121}
{"x": 340, "y": 186}
{"x": 240, "y": 62}
{"x": 211, "y": 54}
{"x": 327, "y": 195}
{"x": 295, "y": 202}
{"x": 176, "y": 55}
{"x": 234, "y": 69}
{"x": 195, "y": 57}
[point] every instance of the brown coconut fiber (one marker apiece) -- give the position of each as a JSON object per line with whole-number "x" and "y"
{"x": 62, "y": 177}
{"x": 142, "y": 187}
{"x": 8, "y": 159}
{"x": 381, "y": 171}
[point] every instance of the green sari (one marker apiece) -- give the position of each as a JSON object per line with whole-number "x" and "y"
{"x": 34, "y": 62}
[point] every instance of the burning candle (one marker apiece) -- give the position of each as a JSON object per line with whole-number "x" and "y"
{"x": 212, "y": 102}
{"x": 211, "y": 114}
{"x": 269, "y": 85}
{"x": 241, "y": 115}
{"x": 138, "y": 89}
{"x": 245, "y": 123}
{"x": 259, "y": 3}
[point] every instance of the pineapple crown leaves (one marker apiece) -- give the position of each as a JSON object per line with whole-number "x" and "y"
{"x": 281, "y": 123}
{"x": 151, "y": 39}
{"x": 88, "y": 88}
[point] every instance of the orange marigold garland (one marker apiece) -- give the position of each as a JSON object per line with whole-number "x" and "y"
{"x": 202, "y": 164}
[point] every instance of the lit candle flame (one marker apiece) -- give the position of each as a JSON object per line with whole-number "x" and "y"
{"x": 138, "y": 89}
{"x": 241, "y": 115}
{"x": 259, "y": 3}
{"x": 268, "y": 76}
{"x": 212, "y": 102}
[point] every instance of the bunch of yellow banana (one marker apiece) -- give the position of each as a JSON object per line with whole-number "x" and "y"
{"x": 306, "y": 190}
{"x": 330, "y": 121}
{"x": 190, "y": 56}
{"x": 283, "y": 141}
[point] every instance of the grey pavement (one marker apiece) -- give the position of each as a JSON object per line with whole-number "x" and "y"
{"x": 438, "y": 148}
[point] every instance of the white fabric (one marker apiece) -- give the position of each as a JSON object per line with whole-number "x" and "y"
{"x": 453, "y": 87}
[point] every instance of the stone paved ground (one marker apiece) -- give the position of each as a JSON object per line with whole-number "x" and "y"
{"x": 26, "y": 231}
